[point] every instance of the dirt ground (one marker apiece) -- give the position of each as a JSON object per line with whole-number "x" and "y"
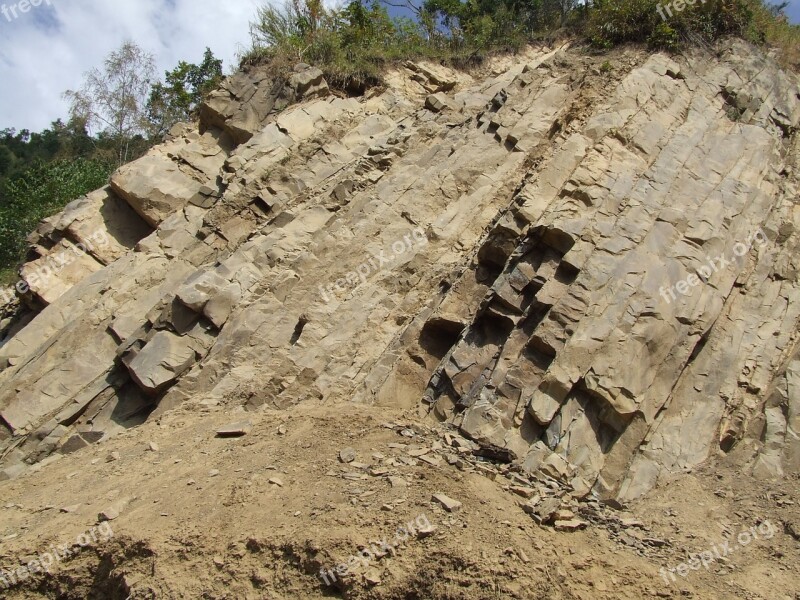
{"x": 271, "y": 514}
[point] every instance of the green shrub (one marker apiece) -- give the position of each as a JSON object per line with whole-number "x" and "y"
{"x": 354, "y": 45}
{"x": 769, "y": 27}
{"x": 38, "y": 192}
{"x": 664, "y": 37}
{"x": 659, "y": 24}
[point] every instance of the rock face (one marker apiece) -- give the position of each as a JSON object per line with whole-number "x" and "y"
{"x": 592, "y": 275}
{"x": 245, "y": 101}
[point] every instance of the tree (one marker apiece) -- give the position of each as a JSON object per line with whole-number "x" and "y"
{"x": 365, "y": 25}
{"x": 112, "y": 99}
{"x": 179, "y": 97}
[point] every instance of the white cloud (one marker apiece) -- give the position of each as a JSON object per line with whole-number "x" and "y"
{"x": 47, "y": 49}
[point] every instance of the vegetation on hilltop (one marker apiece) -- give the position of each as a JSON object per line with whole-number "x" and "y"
{"x": 355, "y": 43}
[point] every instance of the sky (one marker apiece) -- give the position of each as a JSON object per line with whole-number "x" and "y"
{"x": 46, "y": 49}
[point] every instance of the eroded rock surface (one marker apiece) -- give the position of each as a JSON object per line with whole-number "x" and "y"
{"x": 527, "y": 251}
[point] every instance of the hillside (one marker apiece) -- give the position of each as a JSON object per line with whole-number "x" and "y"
{"x": 545, "y": 311}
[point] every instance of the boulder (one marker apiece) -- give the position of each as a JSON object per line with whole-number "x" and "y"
{"x": 154, "y": 186}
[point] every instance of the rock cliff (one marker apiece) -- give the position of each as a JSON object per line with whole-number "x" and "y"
{"x": 591, "y": 272}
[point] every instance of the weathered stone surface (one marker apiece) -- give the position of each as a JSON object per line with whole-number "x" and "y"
{"x": 245, "y": 100}
{"x": 438, "y": 102}
{"x": 49, "y": 277}
{"x": 101, "y": 222}
{"x": 601, "y": 304}
{"x": 534, "y": 265}
{"x": 447, "y": 502}
{"x": 166, "y": 357}
{"x": 154, "y": 186}
{"x": 235, "y": 429}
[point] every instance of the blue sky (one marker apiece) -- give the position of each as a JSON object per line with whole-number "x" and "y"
{"x": 794, "y": 11}
{"x": 46, "y": 49}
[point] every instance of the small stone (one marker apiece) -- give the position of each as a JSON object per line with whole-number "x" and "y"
{"x": 437, "y": 102}
{"x": 213, "y": 472}
{"x": 447, "y": 503}
{"x": 70, "y": 509}
{"x": 235, "y": 429}
{"x": 347, "y": 455}
{"x": 282, "y": 430}
{"x": 426, "y": 531}
{"x": 417, "y": 452}
{"x": 525, "y": 492}
{"x": 112, "y": 457}
{"x": 632, "y": 523}
{"x": 73, "y": 444}
{"x": 219, "y": 562}
{"x": 570, "y": 525}
{"x": 486, "y": 472}
{"x": 152, "y": 447}
{"x": 564, "y": 515}
{"x": 398, "y": 482}
{"x": 656, "y": 542}
{"x": 114, "y": 511}
{"x": 431, "y": 460}
{"x": 543, "y": 511}
{"x": 108, "y": 514}
{"x": 276, "y": 481}
{"x": 373, "y": 577}
{"x": 459, "y": 442}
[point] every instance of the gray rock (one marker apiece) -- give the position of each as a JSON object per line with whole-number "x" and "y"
{"x": 447, "y": 503}
{"x": 348, "y": 455}
{"x": 235, "y": 429}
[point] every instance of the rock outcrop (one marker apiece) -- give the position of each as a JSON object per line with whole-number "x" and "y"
{"x": 591, "y": 274}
